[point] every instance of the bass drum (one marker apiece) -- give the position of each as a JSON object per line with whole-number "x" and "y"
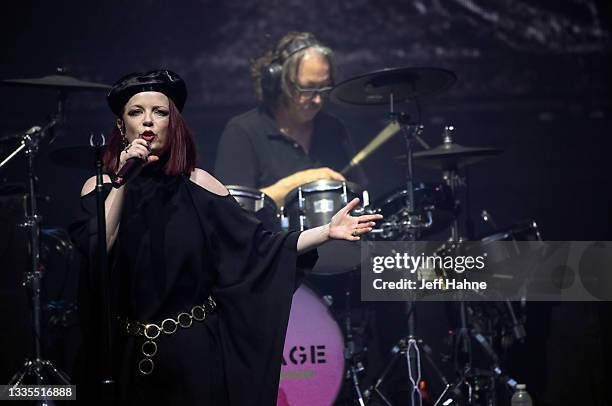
{"x": 313, "y": 357}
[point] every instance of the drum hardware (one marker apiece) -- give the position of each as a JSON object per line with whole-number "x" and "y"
{"x": 391, "y": 86}
{"x": 402, "y": 349}
{"x": 468, "y": 387}
{"x": 38, "y": 368}
{"x": 486, "y": 217}
{"x": 471, "y": 323}
{"x": 435, "y": 208}
{"x": 402, "y": 222}
{"x": 451, "y": 177}
{"x": 409, "y": 346}
{"x": 355, "y": 366}
{"x": 60, "y": 82}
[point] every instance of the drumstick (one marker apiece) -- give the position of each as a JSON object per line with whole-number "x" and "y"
{"x": 389, "y": 131}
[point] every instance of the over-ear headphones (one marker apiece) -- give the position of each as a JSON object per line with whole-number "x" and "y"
{"x": 271, "y": 74}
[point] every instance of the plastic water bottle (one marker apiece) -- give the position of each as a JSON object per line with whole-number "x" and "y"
{"x": 521, "y": 397}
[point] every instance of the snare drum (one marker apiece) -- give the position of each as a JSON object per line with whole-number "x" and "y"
{"x": 257, "y": 203}
{"x": 314, "y": 204}
{"x": 313, "y": 357}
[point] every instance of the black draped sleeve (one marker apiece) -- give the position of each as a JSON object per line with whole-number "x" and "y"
{"x": 257, "y": 273}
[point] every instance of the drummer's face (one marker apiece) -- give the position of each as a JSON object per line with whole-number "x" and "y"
{"x": 313, "y": 73}
{"x": 147, "y": 115}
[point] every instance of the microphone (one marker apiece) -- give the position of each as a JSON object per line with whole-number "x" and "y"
{"x": 128, "y": 170}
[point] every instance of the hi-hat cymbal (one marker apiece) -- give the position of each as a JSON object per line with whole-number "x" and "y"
{"x": 449, "y": 156}
{"x": 375, "y": 88}
{"x": 82, "y": 157}
{"x": 60, "y": 82}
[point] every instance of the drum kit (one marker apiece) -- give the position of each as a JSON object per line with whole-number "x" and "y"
{"x": 321, "y": 354}
{"x": 415, "y": 211}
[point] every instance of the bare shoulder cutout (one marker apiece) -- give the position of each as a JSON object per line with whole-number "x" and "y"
{"x": 206, "y": 181}
{"x": 90, "y": 184}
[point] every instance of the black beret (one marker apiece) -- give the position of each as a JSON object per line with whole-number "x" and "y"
{"x": 163, "y": 81}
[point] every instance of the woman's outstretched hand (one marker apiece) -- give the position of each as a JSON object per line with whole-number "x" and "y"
{"x": 343, "y": 226}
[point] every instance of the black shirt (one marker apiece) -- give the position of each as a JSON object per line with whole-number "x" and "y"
{"x": 254, "y": 153}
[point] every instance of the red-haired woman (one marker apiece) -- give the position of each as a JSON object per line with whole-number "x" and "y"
{"x": 201, "y": 292}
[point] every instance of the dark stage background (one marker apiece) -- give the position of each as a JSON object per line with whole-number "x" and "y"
{"x": 534, "y": 80}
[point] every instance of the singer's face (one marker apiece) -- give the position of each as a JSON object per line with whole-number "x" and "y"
{"x": 147, "y": 115}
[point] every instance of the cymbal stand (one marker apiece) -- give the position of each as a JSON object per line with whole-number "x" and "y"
{"x": 464, "y": 333}
{"x": 410, "y": 345}
{"x": 451, "y": 177}
{"x": 41, "y": 369}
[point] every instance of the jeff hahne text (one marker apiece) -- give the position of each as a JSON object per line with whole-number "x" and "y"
{"x": 428, "y": 272}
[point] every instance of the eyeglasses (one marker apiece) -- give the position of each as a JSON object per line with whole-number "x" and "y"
{"x": 309, "y": 93}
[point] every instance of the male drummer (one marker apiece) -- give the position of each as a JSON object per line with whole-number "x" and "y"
{"x": 287, "y": 141}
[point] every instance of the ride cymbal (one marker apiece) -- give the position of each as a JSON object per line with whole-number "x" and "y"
{"x": 376, "y": 88}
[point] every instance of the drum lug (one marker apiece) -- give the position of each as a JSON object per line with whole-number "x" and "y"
{"x": 365, "y": 199}
{"x": 301, "y": 209}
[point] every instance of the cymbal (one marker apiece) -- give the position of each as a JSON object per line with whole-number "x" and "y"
{"x": 82, "y": 157}
{"x": 448, "y": 156}
{"x": 60, "y": 82}
{"x": 375, "y": 88}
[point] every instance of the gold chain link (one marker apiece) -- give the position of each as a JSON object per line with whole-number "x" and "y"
{"x": 169, "y": 326}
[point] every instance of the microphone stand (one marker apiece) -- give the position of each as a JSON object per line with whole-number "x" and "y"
{"x": 102, "y": 277}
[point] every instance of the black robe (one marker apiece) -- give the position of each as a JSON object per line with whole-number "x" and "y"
{"x": 178, "y": 243}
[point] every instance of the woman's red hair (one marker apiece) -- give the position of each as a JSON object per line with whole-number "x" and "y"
{"x": 181, "y": 146}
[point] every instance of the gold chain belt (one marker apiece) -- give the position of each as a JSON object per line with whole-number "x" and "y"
{"x": 169, "y": 326}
